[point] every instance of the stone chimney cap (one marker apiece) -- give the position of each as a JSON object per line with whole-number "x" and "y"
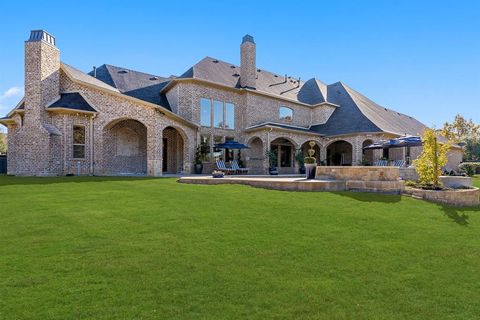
{"x": 41, "y": 35}
{"x": 248, "y": 38}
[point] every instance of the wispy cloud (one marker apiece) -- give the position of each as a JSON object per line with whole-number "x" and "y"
{"x": 9, "y": 97}
{"x": 12, "y": 92}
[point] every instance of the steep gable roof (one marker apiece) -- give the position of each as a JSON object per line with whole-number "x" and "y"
{"x": 73, "y": 101}
{"x": 227, "y": 74}
{"x": 133, "y": 83}
{"x": 355, "y": 114}
{"x": 83, "y": 77}
{"x": 359, "y": 114}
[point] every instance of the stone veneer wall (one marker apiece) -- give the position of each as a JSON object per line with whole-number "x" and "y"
{"x": 321, "y": 114}
{"x": 31, "y": 146}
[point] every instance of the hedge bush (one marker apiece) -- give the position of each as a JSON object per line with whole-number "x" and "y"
{"x": 470, "y": 168}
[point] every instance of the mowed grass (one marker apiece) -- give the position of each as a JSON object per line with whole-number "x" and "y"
{"x": 131, "y": 248}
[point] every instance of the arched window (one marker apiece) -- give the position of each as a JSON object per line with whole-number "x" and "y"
{"x": 286, "y": 113}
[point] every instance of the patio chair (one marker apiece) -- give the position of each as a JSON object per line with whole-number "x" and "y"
{"x": 222, "y": 167}
{"x": 380, "y": 163}
{"x": 399, "y": 163}
{"x": 237, "y": 168}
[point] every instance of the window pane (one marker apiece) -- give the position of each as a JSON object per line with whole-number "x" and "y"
{"x": 286, "y": 114}
{"x": 229, "y": 116}
{"x": 79, "y": 151}
{"x": 218, "y": 114}
{"x": 217, "y": 152}
{"x": 205, "y": 113}
{"x": 205, "y": 148}
{"x": 78, "y": 135}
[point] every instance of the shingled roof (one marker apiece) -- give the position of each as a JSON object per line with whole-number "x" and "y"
{"x": 133, "y": 83}
{"x": 359, "y": 114}
{"x": 73, "y": 101}
{"x": 355, "y": 113}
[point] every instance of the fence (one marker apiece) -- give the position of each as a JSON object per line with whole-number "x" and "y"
{"x": 3, "y": 164}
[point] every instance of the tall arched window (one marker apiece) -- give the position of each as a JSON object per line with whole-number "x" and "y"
{"x": 286, "y": 113}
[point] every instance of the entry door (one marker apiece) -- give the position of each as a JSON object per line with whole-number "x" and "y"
{"x": 165, "y": 148}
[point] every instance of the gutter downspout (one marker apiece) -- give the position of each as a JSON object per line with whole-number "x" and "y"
{"x": 91, "y": 144}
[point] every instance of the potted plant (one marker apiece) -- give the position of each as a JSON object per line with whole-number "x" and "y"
{"x": 217, "y": 174}
{"x": 310, "y": 162}
{"x": 272, "y": 162}
{"x": 198, "y": 167}
{"x": 301, "y": 162}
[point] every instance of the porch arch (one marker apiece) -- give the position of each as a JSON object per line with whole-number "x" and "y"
{"x": 173, "y": 152}
{"x": 340, "y": 153}
{"x": 367, "y": 155}
{"x": 125, "y": 147}
{"x": 284, "y": 148}
{"x": 255, "y": 155}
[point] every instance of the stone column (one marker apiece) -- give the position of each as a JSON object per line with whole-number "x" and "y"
{"x": 356, "y": 151}
{"x": 154, "y": 150}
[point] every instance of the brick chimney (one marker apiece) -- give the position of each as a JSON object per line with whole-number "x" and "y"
{"x": 42, "y": 81}
{"x": 248, "y": 65}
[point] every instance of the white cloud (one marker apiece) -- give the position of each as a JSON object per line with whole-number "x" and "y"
{"x": 11, "y": 93}
{"x": 9, "y": 99}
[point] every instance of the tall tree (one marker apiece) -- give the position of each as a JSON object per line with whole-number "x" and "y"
{"x": 461, "y": 129}
{"x": 464, "y": 131}
{"x": 3, "y": 143}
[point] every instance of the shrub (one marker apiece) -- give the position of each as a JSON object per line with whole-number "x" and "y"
{"x": 310, "y": 160}
{"x": 433, "y": 158}
{"x": 469, "y": 168}
{"x": 411, "y": 183}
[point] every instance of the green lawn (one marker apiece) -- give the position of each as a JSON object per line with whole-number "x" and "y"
{"x": 126, "y": 248}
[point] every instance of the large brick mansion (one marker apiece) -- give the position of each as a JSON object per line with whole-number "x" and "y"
{"x": 114, "y": 121}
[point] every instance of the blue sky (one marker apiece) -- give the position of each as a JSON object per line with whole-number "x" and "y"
{"x": 417, "y": 57}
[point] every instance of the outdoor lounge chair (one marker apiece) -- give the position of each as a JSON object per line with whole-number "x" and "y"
{"x": 222, "y": 167}
{"x": 380, "y": 163}
{"x": 399, "y": 163}
{"x": 237, "y": 168}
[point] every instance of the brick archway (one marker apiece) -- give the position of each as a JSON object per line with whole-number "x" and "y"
{"x": 125, "y": 148}
{"x": 173, "y": 150}
{"x": 340, "y": 153}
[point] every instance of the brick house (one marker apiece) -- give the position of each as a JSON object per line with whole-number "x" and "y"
{"x": 114, "y": 121}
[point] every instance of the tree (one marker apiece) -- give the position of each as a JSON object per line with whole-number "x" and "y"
{"x": 466, "y": 132}
{"x": 461, "y": 129}
{"x": 433, "y": 158}
{"x": 3, "y": 143}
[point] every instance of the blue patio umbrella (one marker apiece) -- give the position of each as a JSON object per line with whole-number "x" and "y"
{"x": 231, "y": 145}
{"x": 409, "y": 141}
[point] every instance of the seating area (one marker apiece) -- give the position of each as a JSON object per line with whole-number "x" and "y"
{"x": 385, "y": 163}
{"x": 233, "y": 169}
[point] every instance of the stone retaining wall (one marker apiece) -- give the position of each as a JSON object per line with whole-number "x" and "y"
{"x": 371, "y": 179}
{"x": 359, "y": 173}
{"x": 459, "y": 197}
{"x": 408, "y": 174}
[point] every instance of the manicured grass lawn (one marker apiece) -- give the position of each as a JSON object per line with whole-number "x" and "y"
{"x": 126, "y": 248}
{"x": 476, "y": 181}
